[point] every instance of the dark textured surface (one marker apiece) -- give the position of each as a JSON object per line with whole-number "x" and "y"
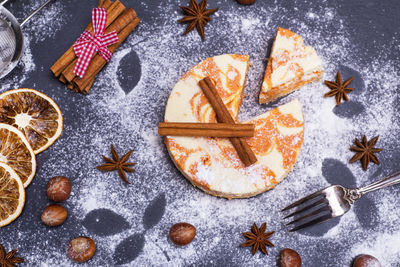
{"x": 372, "y": 24}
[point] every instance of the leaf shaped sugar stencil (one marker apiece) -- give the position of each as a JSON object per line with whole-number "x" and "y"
{"x": 357, "y": 83}
{"x": 349, "y": 109}
{"x": 352, "y": 108}
{"x": 367, "y": 213}
{"x": 104, "y": 222}
{"x": 336, "y": 172}
{"x": 129, "y": 71}
{"x": 129, "y": 249}
{"x": 154, "y": 211}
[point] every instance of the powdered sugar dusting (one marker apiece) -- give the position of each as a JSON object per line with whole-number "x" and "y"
{"x": 46, "y": 24}
{"x": 109, "y": 115}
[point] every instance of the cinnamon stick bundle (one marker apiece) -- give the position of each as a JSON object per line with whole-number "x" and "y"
{"x": 118, "y": 19}
{"x": 205, "y": 129}
{"x": 243, "y": 149}
{"x": 113, "y": 11}
{"x": 118, "y": 25}
{"x": 99, "y": 62}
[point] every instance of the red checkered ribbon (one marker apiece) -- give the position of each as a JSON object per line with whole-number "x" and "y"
{"x": 88, "y": 44}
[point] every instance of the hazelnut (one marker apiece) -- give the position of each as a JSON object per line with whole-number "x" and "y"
{"x": 289, "y": 258}
{"x": 81, "y": 249}
{"x": 366, "y": 261}
{"x": 246, "y": 2}
{"x": 182, "y": 233}
{"x": 59, "y": 188}
{"x": 54, "y": 215}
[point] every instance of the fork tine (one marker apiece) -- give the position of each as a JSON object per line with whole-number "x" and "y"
{"x": 301, "y": 201}
{"x": 309, "y": 206}
{"x": 312, "y": 205}
{"x": 315, "y": 221}
{"x": 315, "y": 212}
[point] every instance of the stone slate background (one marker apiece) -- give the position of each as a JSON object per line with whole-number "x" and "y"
{"x": 369, "y": 19}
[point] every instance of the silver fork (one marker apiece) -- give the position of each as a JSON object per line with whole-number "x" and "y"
{"x": 331, "y": 202}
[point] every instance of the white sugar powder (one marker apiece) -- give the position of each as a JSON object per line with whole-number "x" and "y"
{"x": 47, "y": 23}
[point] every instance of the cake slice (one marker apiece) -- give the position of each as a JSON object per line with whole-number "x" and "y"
{"x": 290, "y": 65}
{"x": 212, "y": 164}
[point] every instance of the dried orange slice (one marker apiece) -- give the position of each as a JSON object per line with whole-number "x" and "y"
{"x": 17, "y": 153}
{"x": 12, "y": 195}
{"x": 33, "y": 113}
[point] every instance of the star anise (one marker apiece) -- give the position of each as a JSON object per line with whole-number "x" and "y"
{"x": 258, "y": 238}
{"x": 9, "y": 259}
{"x": 117, "y": 163}
{"x": 365, "y": 151}
{"x": 339, "y": 88}
{"x": 197, "y": 15}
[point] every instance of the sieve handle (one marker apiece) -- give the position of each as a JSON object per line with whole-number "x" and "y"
{"x": 33, "y": 13}
{"x": 3, "y": 2}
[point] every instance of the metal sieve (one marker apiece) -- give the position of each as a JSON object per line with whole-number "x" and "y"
{"x": 11, "y": 38}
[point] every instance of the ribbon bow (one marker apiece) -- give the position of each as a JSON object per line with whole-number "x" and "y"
{"x": 88, "y": 44}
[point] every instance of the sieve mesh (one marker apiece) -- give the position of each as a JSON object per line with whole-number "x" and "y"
{"x": 7, "y": 43}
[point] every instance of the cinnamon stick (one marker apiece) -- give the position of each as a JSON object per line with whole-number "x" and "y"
{"x": 75, "y": 89}
{"x": 70, "y": 86}
{"x": 243, "y": 149}
{"x": 205, "y": 129}
{"x": 87, "y": 88}
{"x": 98, "y": 62}
{"x": 62, "y": 79}
{"x": 113, "y": 11}
{"x": 120, "y": 23}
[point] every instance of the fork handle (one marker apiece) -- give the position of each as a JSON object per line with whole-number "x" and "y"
{"x": 34, "y": 12}
{"x": 390, "y": 180}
